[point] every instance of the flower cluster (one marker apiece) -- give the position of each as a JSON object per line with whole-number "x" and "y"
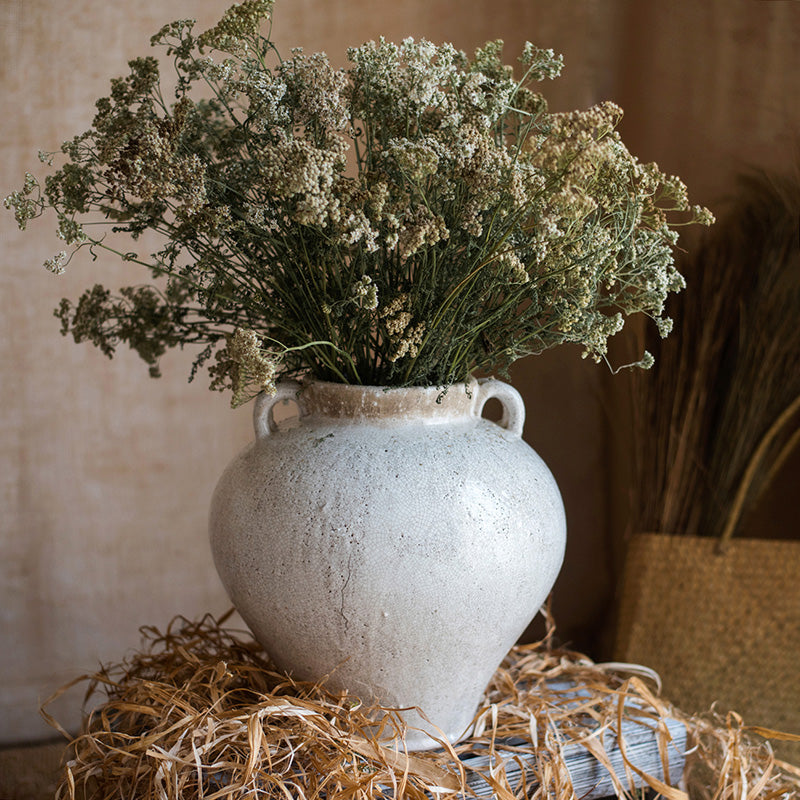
{"x": 405, "y": 221}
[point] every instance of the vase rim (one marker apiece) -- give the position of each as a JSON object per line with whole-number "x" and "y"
{"x": 308, "y": 381}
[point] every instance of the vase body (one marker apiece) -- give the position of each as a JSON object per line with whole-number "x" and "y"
{"x": 393, "y": 542}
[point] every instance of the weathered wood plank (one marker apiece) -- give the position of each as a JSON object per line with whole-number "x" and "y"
{"x": 638, "y": 737}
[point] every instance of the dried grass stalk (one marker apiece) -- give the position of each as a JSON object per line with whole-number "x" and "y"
{"x": 201, "y": 713}
{"x": 729, "y": 371}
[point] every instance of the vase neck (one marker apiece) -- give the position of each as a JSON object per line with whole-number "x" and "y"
{"x": 426, "y": 404}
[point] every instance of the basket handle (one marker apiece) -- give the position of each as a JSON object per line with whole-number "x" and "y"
{"x": 755, "y": 462}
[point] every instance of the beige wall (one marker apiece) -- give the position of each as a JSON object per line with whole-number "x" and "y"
{"x": 105, "y": 475}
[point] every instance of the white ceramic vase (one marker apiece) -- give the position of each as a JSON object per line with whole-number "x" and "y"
{"x": 393, "y": 540}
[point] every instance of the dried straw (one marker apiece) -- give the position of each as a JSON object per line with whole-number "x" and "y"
{"x": 730, "y": 370}
{"x": 201, "y": 713}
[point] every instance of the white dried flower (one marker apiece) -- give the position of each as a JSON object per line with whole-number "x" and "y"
{"x": 70, "y": 231}
{"x": 56, "y": 263}
{"x": 245, "y": 367}
{"x": 288, "y": 192}
{"x": 365, "y": 293}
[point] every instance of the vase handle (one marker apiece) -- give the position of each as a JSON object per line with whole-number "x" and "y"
{"x": 263, "y": 419}
{"x": 513, "y": 418}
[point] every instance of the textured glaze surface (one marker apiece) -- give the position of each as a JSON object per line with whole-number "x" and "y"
{"x": 401, "y": 556}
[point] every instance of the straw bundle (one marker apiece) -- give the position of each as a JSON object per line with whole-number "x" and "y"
{"x": 201, "y": 713}
{"x": 728, "y": 375}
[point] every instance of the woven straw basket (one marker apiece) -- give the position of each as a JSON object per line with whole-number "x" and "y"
{"x": 719, "y": 618}
{"x": 718, "y": 626}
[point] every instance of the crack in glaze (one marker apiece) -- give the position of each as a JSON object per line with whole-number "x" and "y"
{"x": 344, "y": 589}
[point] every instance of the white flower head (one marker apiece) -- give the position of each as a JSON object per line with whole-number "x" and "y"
{"x": 57, "y": 263}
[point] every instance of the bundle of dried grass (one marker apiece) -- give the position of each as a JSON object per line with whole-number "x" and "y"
{"x": 201, "y": 713}
{"x": 728, "y": 381}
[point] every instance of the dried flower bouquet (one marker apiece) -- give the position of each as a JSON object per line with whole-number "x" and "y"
{"x": 405, "y": 221}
